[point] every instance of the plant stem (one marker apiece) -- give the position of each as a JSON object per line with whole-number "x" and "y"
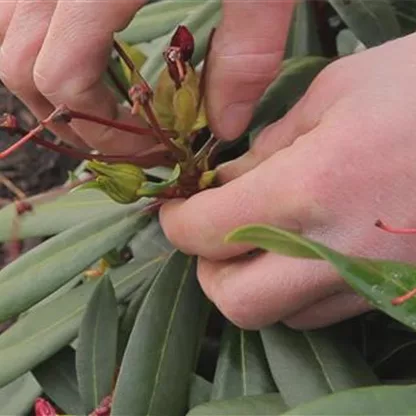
{"x": 68, "y": 115}
{"x": 401, "y": 299}
{"x": 393, "y": 230}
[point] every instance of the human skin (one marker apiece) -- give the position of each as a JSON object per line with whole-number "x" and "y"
{"x": 341, "y": 158}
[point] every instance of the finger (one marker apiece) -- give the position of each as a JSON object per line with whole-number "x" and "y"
{"x": 23, "y": 40}
{"x": 70, "y": 65}
{"x": 260, "y": 291}
{"x": 329, "y": 311}
{"x": 245, "y": 57}
{"x": 6, "y": 13}
{"x": 273, "y": 193}
{"x": 299, "y": 121}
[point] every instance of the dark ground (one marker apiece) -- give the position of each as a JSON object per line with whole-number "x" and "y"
{"x": 31, "y": 168}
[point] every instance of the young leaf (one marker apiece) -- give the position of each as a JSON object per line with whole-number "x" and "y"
{"x": 372, "y": 21}
{"x": 368, "y": 401}
{"x": 200, "y": 391}
{"x": 379, "y": 281}
{"x": 267, "y": 404}
{"x": 156, "y": 370}
{"x": 97, "y": 346}
{"x": 57, "y": 215}
{"x": 17, "y": 397}
{"x": 58, "y": 379}
{"x": 41, "y": 333}
{"x": 242, "y": 369}
{"x": 44, "y": 269}
{"x": 153, "y": 188}
{"x": 308, "y": 365}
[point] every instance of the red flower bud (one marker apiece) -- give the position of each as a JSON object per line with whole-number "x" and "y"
{"x": 184, "y": 41}
{"x": 44, "y": 408}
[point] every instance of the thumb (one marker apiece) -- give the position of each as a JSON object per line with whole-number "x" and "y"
{"x": 246, "y": 54}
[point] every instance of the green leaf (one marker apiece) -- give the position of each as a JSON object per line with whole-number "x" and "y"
{"x": 154, "y": 188}
{"x": 57, "y": 215}
{"x": 379, "y": 281}
{"x": 129, "y": 317}
{"x": 303, "y": 39}
{"x": 58, "y": 379}
{"x": 242, "y": 369}
{"x": 200, "y": 391}
{"x": 369, "y": 401}
{"x": 267, "y": 404}
{"x": 17, "y": 397}
{"x": 41, "y": 333}
{"x": 406, "y": 15}
{"x": 97, "y": 346}
{"x": 293, "y": 80}
{"x": 150, "y": 24}
{"x": 372, "y": 21}
{"x": 308, "y": 365}
{"x": 41, "y": 271}
{"x": 166, "y": 333}
{"x": 199, "y": 23}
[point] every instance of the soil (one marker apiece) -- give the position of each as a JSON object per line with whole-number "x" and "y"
{"x": 32, "y": 169}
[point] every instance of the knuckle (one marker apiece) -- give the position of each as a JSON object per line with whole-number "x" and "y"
{"x": 13, "y": 74}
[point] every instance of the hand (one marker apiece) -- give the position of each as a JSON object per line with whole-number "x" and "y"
{"x": 341, "y": 158}
{"x": 54, "y": 52}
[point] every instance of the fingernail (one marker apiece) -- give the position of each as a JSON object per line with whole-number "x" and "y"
{"x": 235, "y": 119}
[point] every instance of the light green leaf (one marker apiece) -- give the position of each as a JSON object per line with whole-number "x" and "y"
{"x": 368, "y": 401}
{"x": 159, "y": 384}
{"x": 200, "y": 391}
{"x": 308, "y": 365}
{"x": 268, "y": 404}
{"x": 58, "y": 379}
{"x": 41, "y": 333}
{"x": 149, "y": 23}
{"x": 379, "y": 281}
{"x": 292, "y": 82}
{"x": 97, "y": 346}
{"x": 17, "y": 397}
{"x": 57, "y": 215}
{"x": 242, "y": 369}
{"x": 41, "y": 271}
{"x": 372, "y": 21}
{"x": 129, "y": 317}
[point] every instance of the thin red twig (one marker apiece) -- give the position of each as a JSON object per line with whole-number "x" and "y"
{"x": 394, "y": 230}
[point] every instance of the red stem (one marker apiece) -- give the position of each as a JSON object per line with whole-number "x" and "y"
{"x": 155, "y": 156}
{"x": 393, "y": 230}
{"x": 111, "y": 123}
{"x": 28, "y": 136}
{"x": 401, "y": 299}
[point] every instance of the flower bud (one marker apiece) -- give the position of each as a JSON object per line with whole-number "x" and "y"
{"x": 120, "y": 181}
{"x": 44, "y": 408}
{"x": 207, "y": 179}
{"x": 183, "y": 40}
{"x": 185, "y": 103}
